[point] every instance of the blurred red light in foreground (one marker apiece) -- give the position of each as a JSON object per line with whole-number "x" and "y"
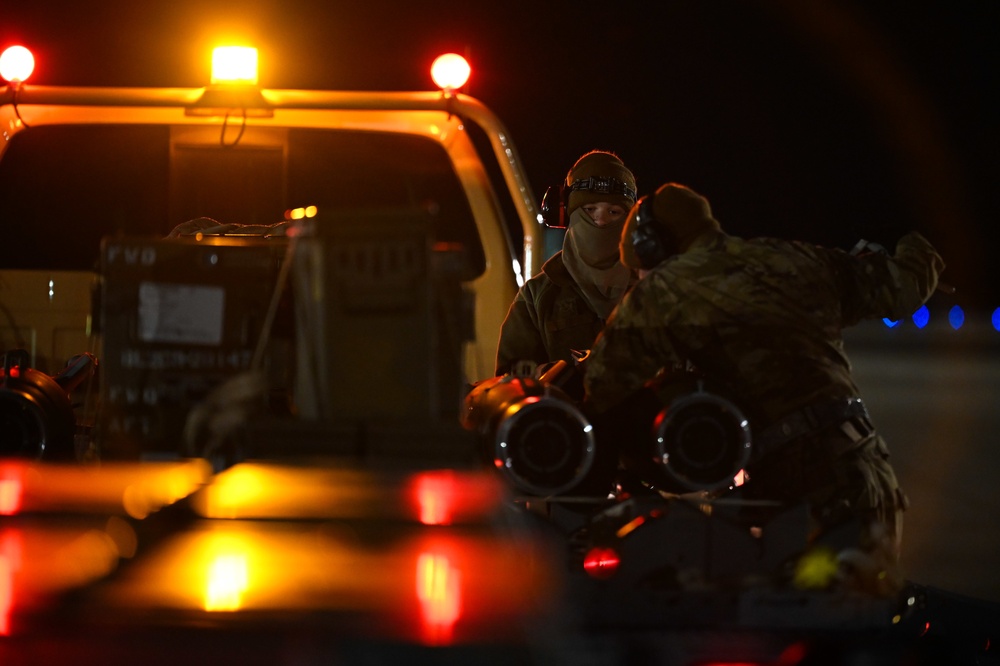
{"x": 439, "y": 591}
{"x": 10, "y": 557}
{"x": 444, "y": 497}
{"x": 436, "y": 498}
{"x": 601, "y": 563}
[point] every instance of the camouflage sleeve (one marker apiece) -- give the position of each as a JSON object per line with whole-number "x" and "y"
{"x": 632, "y": 347}
{"x": 919, "y": 267}
{"x": 878, "y": 285}
{"x": 520, "y": 337}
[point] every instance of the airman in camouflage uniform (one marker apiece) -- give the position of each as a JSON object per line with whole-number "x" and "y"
{"x": 565, "y": 306}
{"x": 764, "y": 318}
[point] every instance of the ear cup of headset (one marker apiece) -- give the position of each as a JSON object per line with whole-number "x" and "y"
{"x": 553, "y": 207}
{"x": 650, "y": 238}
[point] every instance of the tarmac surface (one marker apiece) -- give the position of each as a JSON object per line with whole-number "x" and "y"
{"x": 933, "y": 394}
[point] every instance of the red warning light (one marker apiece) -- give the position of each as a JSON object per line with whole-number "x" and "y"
{"x": 601, "y": 563}
{"x": 16, "y": 64}
{"x": 450, "y": 71}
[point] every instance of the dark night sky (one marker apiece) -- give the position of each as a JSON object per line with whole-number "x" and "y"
{"x": 824, "y": 120}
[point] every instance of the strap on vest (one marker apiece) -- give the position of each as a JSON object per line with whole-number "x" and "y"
{"x": 812, "y": 420}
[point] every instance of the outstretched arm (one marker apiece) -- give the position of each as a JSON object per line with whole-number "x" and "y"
{"x": 876, "y": 284}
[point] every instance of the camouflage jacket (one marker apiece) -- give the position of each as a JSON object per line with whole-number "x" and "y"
{"x": 762, "y": 317}
{"x": 547, "y": 320}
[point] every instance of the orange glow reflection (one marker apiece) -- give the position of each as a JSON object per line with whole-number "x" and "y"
{"x": 137, "y": 489}
{"x": 234, "y": 490}
{"x": 630, "y": 526}
{"x": 6, "y": 593}
{"x": 10, "y": 560}
{"x": 263, "y": 490}
{"x": 429, "y": 585}
{"x": 439, "y": 591}
{"x": 39, "y": 562}
{"x": 155, "y": 488}
{"x": 260, "y": 490}
{"x": 11, "y": 490}
{"x": 740, "y": 478}
{"x": 227, "y": 581}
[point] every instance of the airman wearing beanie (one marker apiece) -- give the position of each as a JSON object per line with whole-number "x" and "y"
{"x": 561, "y": 310}
{"x": 590, "y": 250}
{"x": 681, "y": 215}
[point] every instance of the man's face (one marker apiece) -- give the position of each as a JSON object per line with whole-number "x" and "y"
{"x": 604, "y": 213}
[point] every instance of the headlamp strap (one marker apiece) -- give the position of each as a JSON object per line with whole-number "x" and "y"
{"x": 603, "y": 185}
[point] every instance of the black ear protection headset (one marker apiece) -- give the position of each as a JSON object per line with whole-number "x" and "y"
{"x": 651, "y": 239}
{"x": 553, "y": 207}
{"x": 556, "y": 199}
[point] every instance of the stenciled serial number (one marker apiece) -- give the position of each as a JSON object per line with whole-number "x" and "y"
{"x": 185, "y": 359}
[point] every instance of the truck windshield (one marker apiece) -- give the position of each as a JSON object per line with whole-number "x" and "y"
{"x": 64, "y": 188}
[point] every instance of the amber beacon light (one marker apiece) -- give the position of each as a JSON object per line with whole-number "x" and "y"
{"x": 234, "y": 65}
{"x": 233, "y": 90}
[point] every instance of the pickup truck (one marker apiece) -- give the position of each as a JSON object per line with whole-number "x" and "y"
{"x": 93, "y": 180}
{"x": 360, "y": 249}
